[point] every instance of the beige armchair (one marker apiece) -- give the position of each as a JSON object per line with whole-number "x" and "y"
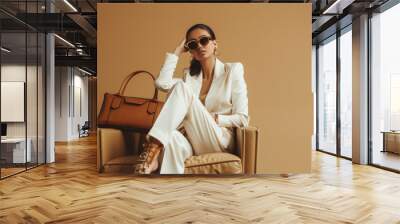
{"x": 117, "y": 151}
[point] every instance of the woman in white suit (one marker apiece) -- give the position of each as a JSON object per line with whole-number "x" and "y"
{"x": 208, "y": 102}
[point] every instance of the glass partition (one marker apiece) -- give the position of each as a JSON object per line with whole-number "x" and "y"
{"x": 14, "y": 153}
{"x": 22, "y": 90}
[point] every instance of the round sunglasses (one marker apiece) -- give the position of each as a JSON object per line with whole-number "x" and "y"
{"x": 194, "y": 44}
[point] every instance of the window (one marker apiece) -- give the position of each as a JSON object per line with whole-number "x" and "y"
{"x": 327, "y": 95}
{"x": 346, "y": 93}
{"x": 385, "y": 88}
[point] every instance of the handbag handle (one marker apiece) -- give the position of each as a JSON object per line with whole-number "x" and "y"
{"x": 130, "y": 76}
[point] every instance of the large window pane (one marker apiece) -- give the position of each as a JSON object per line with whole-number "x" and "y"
{"x": 385, "y": 89}
{"x": 327, "y": 96}
{"x": 346, "y": 94}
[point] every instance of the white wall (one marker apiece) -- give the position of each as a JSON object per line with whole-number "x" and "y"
{"x": 12, "y": 73}
{"x": 61, "y": 103}
{"x": 70, "y": 83}
{"x": 81, "y": 100}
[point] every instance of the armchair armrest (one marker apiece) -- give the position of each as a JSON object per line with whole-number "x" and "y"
{"x": 247, "y": 144}
{"x": 110, "y": 144}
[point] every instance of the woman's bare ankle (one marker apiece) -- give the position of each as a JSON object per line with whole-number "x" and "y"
{"x": 154, "y": 165}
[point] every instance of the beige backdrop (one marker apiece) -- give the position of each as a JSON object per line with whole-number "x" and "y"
{"x": 273, "y": 41}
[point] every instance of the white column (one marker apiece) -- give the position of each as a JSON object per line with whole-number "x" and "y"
{"x": 50, "y": 108}
{"x": 360, "y": 90}
{"x": 50, "y": 92}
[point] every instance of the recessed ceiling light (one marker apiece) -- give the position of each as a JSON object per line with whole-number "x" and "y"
{"x": 64, "y": 40}
{"x": 338, "y": 6}
{"x": 70, "y": 5}
{"x": 84, "y": 71}
{"x": 5, "y": 50}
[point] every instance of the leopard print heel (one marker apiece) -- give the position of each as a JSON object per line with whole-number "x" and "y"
{"x": 146, "y": 158}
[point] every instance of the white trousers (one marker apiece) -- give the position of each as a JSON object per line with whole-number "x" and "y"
{"x": 204, "y": 135}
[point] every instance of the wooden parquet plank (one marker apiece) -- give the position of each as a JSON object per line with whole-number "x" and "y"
{"x": 71, "y": 191}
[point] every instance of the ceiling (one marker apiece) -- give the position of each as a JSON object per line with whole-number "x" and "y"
{"x": 76, "y": 22}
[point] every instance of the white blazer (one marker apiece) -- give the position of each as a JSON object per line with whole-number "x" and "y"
{"x": 227, "y": 96}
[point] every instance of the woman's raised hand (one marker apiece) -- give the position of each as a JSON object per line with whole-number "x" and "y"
{"x": 180, "y": 48}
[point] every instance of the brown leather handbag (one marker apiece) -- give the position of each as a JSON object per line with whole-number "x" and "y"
{"x": 129, "y": 113}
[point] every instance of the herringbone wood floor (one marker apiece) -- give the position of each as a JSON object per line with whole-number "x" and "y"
{"x": 71, "y": 191}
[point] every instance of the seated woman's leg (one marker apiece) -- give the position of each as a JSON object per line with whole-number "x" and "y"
{"x": 176, "y": 151}
{"x": 173, "y": 112}
{"x": 204, "y": 133}
{"x": 171, "y": 116}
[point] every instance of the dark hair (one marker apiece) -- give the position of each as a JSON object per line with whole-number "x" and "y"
{"x": 195, "y": 66}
